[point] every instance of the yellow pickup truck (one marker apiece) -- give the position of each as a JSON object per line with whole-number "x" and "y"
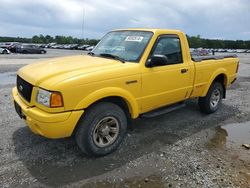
{"x": 129, "y": 74}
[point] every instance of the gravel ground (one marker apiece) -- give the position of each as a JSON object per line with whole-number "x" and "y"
{"x": 184, "y": 148}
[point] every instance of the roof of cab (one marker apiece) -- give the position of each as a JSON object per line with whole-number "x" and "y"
{"x": 154, "y": 30}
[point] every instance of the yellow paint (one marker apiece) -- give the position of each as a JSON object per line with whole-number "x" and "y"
{"x": 50, "y": 125}
{"x": 83, "y": 80}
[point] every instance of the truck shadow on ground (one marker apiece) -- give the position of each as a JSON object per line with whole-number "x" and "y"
{"x": 59, "y": 162}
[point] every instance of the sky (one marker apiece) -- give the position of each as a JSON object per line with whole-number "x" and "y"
{"x": 213, "y": 19}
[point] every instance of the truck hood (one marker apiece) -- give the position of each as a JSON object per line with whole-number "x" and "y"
{"x": 65, "y": 68}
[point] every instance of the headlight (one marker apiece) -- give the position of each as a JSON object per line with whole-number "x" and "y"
{"x": 51, "y": 99}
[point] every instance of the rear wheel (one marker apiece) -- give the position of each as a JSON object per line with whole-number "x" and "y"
{"x": 211, "y": 102}
{"x": 5, "y": 52}
{"x": 102, "y": 129}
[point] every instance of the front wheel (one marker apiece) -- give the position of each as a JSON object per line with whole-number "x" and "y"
{"x": 211, "y": 102}
{"x": 102, "y": 129}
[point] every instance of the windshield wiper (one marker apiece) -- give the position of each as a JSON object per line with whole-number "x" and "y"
{"x": 113, "y": 57}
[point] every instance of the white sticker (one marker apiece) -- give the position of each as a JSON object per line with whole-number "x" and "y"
{"x": 134, "y": 38}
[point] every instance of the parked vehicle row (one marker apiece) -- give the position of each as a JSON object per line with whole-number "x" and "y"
{"x": 210, "y": 51}
{"x": 69, "y": 46}
{"x": 230, "y": 50}
{"x": 16, "y": 47}
{"x": 200, "y": 52}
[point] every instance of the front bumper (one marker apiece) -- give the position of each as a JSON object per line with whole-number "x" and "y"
{"x": 50, "y": 125}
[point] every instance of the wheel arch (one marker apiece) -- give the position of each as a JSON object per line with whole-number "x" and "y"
{"x": 117, "y": 96}
{"x": 221, "y": 77}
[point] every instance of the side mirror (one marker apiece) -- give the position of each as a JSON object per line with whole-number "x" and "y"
{"x": 157, "y": 60}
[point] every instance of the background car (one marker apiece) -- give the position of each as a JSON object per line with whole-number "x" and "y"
{"x": 83, "y": 47}
{"x": 13, "y": 47}
{"x": 199, "y": 52}
{"x": 90, "y": 48}
{"x": 7, "y": 44}
{"x": 4, "y": 51}
{"x": 31, "y": 49}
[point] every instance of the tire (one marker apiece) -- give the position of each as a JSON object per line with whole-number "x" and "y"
{"x": 92, "y": 132}
{"x": 211, "y": 102}
{"x": 42, "y": 52}
{"x": 5, "y": 52}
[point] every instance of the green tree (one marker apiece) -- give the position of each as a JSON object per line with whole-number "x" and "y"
{"x": 36, "y": 39}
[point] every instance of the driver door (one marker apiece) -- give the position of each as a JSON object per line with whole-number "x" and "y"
{"x": 168, "y": 84}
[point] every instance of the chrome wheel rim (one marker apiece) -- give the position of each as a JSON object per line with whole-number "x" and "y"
{"x": 106, "y": 131}
{"x": 215, "y": 98}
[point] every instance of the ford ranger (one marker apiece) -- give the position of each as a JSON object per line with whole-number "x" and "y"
{"x": 130, "y": 73}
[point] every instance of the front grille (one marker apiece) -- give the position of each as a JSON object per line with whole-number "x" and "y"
{"x": 24, "y": 88}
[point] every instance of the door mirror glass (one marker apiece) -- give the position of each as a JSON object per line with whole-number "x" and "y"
{"x": 157, "y": 60}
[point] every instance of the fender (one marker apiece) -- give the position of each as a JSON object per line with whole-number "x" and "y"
{"x": 111, "y": 92}
{"x": 215, "y": 74}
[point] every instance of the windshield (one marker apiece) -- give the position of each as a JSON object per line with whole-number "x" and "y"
{"x": 127, "y": 45}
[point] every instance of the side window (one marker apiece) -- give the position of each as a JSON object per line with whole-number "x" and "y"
{"x": 170, "y": 47}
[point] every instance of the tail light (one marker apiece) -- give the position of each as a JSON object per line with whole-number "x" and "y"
{"x": 237, "y": 68}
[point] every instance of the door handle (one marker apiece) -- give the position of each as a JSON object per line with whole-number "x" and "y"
{"x": 184, "y": 71}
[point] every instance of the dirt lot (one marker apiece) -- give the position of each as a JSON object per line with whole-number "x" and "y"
{"x": 181, "y": 149}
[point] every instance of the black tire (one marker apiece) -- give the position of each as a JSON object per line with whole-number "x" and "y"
{"x": 42, "y": 51}
{"x": 87, "y": 126}
{"x": 5, "y": 52}
{"x": 206, "y": 103}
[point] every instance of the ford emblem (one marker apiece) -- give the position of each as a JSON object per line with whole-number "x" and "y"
{"x": 21, "y": 88}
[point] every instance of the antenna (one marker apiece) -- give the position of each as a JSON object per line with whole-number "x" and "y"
{"x": 83, "y": 16}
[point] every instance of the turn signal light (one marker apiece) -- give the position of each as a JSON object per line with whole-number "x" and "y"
{"x": 56, "y": 100}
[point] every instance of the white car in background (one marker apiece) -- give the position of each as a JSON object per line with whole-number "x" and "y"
{"x": 90, "y": 48}
{"x": 240, "y": 50}
{"x": 4, "y": 51}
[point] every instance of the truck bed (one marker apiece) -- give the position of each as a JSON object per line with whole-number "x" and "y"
{"x": 212, "y": 57}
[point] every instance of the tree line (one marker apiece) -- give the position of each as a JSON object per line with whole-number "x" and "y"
{"x": 41, "y": 39}
{"x": 194, "y": 41}
{"x": 197, "y": 42}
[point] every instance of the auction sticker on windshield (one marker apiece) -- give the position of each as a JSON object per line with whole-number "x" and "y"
{"x": 134, "y": 38}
